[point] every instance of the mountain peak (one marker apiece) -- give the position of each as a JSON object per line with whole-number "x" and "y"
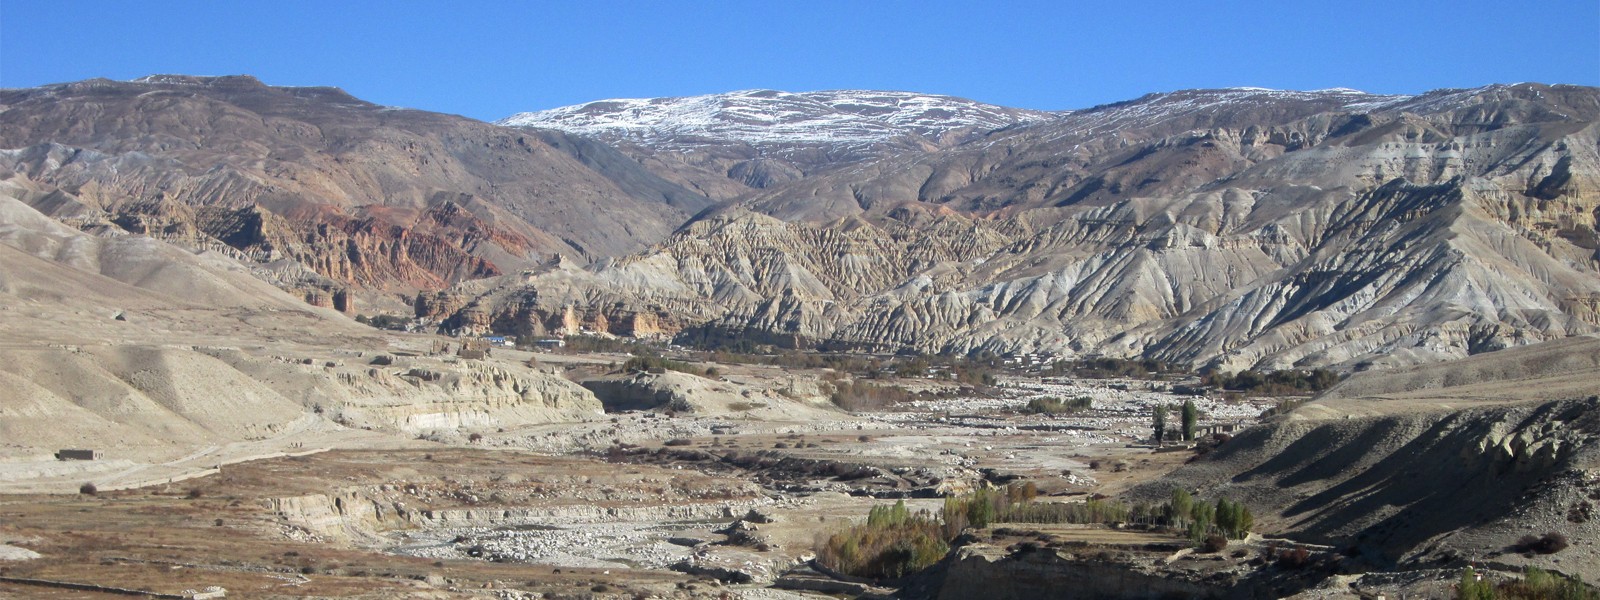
{"x": 762, "y": 117}
{"x": 244, "y": 80}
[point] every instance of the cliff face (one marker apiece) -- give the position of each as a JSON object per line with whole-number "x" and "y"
{"x": 1233, "y": 228}
{"x": 370, "y": 196}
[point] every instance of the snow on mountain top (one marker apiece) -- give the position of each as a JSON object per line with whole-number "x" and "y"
{"x": 1204, "y": 105}
{"x": 770, "y": 116}
{"x": 1336, "y": 90}
{"x": 859, "y": 118}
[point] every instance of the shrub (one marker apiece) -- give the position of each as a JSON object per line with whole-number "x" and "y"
{"x": 893, "y": 543}
{"x": 678, "y": 442}
{"x": 1276, "y": 383}
{"x": 1023, "y": 493}
{"x": 1106, "y": 368}
{"x": 1549, "y": 543}
{"x": 195, "y": 493}
{"x": 475, "y": 437}
{"x": 1474, "y": 587}
{"x": 1283, "y": 407}
{"x": 862, "y": 396}
{"x": 657, "y": 364}
{"x": 1214, "y": 543}
{"x": 1294, "y": 558}
{"x": 88, "y": 489}
{"x": 1539, "y": 584}
{"x": 1049, "y": 405}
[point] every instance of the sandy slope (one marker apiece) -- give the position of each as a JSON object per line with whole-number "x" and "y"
{"x": 172, "y": 362}
{"x": 1566, "y": 368}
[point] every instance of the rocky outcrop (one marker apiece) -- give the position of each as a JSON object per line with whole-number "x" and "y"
{"x": 635, "y": 393}
{"x": 360, "y": 515}
{"x": 675, "y": 392}
{"x": 466, "y": 394}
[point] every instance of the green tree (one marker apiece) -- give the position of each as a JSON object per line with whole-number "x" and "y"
{"x": 1227, "y": 517}
{"x": 1204, "y": 517}
{"x": 1474, "y": 588}
{"x": 1190, "y": 415}
{"x": 1197, "y": 534}
{"x": 980, "y": 512}
{"x": 1159, "y": 422}
{"x": 1181, "y": 504}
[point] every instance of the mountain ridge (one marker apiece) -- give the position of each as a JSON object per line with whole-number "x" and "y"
{"x": 762, "y": 116}
{"x": 1233, "y": 227}
{"x": 1348, "y": 228}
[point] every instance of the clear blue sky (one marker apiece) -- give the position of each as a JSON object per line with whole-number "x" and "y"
{"x": 491, "y": 59}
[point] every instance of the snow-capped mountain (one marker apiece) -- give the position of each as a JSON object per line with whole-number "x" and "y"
{"x": 762, "y": 117}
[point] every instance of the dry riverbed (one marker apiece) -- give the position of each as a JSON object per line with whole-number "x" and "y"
{"x": 637, "y": 503}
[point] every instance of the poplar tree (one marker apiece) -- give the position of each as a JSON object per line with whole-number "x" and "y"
{"x": 1159, "y": 423}
{"x": 1190, "y": 415}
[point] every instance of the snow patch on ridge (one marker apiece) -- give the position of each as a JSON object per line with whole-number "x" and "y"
{"x": 768, "y": 117}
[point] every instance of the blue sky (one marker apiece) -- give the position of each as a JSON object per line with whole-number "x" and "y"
{"x": 491, "y": 59}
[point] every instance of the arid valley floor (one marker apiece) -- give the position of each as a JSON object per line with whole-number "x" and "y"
{"x": 726, "y": 497}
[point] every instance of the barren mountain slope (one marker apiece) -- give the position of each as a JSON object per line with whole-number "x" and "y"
{"x": 367, "y": 195}
{"x": 1566, "y": 368}
{"x": 1290, "y": 229}
{"x": 1453, "y": 462}
{"x": 1239, "y": 227}
{"x": 726, "y": 145}
{"x": 133, "y": 346}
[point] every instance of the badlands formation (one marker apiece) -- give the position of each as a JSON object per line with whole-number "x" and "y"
{"x": 181, "y": 258}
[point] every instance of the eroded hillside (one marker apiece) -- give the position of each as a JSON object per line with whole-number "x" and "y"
{"x": 1237, "y": 228}
{"x": 366, "y": 195}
